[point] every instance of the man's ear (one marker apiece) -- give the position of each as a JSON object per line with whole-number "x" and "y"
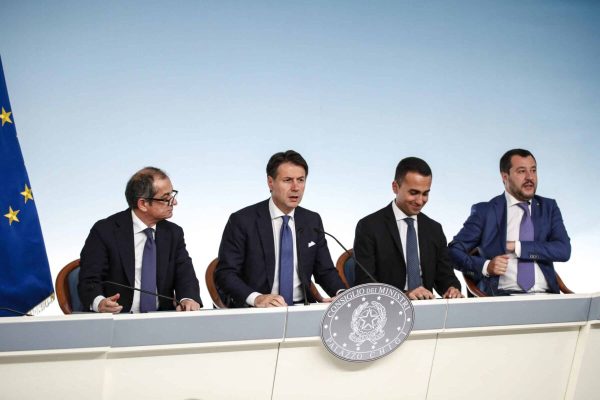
{"x": 395, "y": 187}
{"x": 142, "y": 205}
{"x": 270, "y": 183}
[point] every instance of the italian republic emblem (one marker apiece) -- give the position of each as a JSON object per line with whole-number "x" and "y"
{"x": 367, "y": 322}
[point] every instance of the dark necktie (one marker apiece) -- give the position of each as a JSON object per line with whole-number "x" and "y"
{"x": 412, "y": 255}
{"x": 147, "y": 301}
{"x": 286, "y": 262}
{"x": 525, "y": 269}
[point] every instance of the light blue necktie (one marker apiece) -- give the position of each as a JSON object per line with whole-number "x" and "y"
{"x": 286, "y": 262}
{"x": 147, "y": 301}
{"x": 525, "y": 269}
{"x": 412, "y": 256}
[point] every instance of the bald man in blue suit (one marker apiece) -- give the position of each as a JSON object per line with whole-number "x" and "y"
{"x": 488, "y": 248}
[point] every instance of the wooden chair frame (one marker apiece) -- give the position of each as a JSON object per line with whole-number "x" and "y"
{"x": 63, "y": 293}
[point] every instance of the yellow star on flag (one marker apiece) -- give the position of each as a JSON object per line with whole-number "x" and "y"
{"x": 27, "y": 194}
{"x": 5, "y": 116}
{"x": 12, "y": 215}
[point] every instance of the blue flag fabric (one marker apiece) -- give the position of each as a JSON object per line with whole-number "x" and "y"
{"x": 25, "y": 280}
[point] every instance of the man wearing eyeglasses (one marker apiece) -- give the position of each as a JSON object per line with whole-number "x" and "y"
{"x": 139, "y": 248}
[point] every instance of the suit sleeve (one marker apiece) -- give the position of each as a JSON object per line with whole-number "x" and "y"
{"x": 465, "y": 242}
{"x": 364, "y": 251}
{"x": 556, "y": 247}
{"x": 186, "y": 282}
{"x": 94, "y": 265}
{"x": 232, "y": 251}
{"x": 324, "y": 271}
{"x": 444, "y": 274}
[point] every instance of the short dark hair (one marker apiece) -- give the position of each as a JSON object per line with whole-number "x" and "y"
{"x": 411, "y": 164}
{"x": 141, "y": 185}
{"x": 290, "y": 156}
{"x": 505, "y": 163}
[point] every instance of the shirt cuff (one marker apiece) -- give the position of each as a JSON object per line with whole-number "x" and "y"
{"x": 484, "y": 270}
{"x": 518, "y": 248}
{"x": 96, "y": 303}
{"x": 252, "y": 298}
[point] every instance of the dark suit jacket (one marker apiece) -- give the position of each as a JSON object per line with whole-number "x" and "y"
{"x": 247, "y": 254}
{"x": 108, "y": 254}
{"x": 485, "y": 230}
{"x": 378, "y": 248}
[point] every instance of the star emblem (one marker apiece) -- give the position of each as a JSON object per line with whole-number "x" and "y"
{"x": 5, "y": 116}
{"x": 12, "y": 215}
{"x": 27, "y": 194}
{"x": 368, "y": 320}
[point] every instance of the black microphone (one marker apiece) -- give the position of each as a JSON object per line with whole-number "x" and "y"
{"x": 318, "y": 230}
{"x": 15, "y": 312}
{"x": 142, "y": 290}
{"x": 300, "y": 272}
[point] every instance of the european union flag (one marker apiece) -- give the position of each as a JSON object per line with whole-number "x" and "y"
{"x": 25, "y": 280}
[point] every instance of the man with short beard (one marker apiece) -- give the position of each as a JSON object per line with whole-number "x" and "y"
{"x": 508, "y": 245}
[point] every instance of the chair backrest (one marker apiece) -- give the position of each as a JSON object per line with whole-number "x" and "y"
{"x": 66, "y": 288}
{"x": 345, "y": 267}
{"x": 209, "y": 277}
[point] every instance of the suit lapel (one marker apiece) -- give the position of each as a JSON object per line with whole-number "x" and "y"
{"x": 536, "y": 211}
{"x": 500, "y": 209}
{"x": 124, "y": 235}
{"x": 162, "y": 239}
{"x": 425, "y": 250}
{"x": 265, "y": 231}
{"x": 392, "y": 227}
{"x": 301, "y": 243}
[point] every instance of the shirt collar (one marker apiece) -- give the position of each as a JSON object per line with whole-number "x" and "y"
{"x": 512, "y": 201}
{"x": 276, "y": 212}
{"x": 138, "y": 225}
{"x": 399, "y": 214}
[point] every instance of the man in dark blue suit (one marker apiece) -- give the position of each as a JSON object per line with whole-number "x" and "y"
{"x": 270, "y": 250}
{"x": 139, "y": 248}
{"x": 508, "y": 245}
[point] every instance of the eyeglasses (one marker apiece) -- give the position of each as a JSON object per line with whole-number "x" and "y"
{"x": 168, "y": 201}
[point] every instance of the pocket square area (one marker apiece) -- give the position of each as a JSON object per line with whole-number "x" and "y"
{"x": 311, "y": 244}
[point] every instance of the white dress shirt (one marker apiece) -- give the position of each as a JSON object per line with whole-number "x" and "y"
{"x": 508, "y": 281}
{"x": 403, "y": 229}
{"x": 277, "y": 222}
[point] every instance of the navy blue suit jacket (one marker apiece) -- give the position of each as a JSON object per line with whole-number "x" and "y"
{"x": 485, "y": 230}
{"x": 247, "y": 254}
{"x": 108, "y": 254}
{"x": 377, "y": 246}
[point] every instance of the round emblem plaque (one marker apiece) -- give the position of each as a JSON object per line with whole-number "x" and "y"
{"x": 367, "y": 322}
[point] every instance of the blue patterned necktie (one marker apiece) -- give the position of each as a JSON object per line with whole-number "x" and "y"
{"x": 147, "y": 301}
{"x": 412, "y": 256}
{"x": 286, "y": 262}
{"x": 525, "y": 269}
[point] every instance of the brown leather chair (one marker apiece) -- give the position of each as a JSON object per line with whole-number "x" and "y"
{"x": 66, "y": 288}
{"x": 209, "y": 277}
{"x": 345, "y": 268}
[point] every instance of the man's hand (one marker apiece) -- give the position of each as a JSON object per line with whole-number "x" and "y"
{"x": 420, "y": 293}
{"x": 110, "y": 304}
{"x": 269, "y": 300}
{"x": 510, "y": 247}
{"x": 498, "y": 265}
{"x": 188, "y": 305}
{"x": 453, "y": 293}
